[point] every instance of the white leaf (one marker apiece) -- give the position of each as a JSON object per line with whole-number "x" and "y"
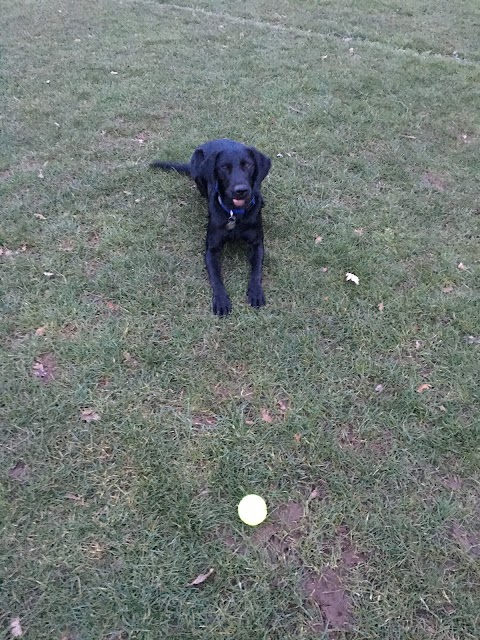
{"x": 352, "y": 277}
{"x": 16, "y": 628}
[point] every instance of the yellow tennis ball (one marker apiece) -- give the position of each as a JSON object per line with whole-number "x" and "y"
{"x": 252, "y": 510}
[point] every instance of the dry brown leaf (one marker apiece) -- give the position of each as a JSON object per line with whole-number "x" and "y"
{"x": 442, "y": 408}
{"x": 266, "y": 417}
{"x": 39, "y": 216}
{"x": 44, "y": 367}
{"x": 19, "y": 472}
{"x": 379, "y": 388}
{"x": 473, "y": 339}
{"x": 358, "y": 232}
{"x": 315, "y": 493}
{"x": 447, "y": 289}
{"x": 283, "y": 406}
{"x": 249, "y": 422}
{"x": 297, "y": 437}
{"x": 418, "y": 344}
{"x": 461, "y": 266}
{"x": 74, "y": 497}
{"x": 40, "y": 331}
{"x": 381, "y": 307}
{"x": 113, "y": 306}
{"x": 89, "y": 415}
{"x": 423, "y": 387}
{"x": 201, "y": 578}
{"x": 324, "y": 269}
{"x": 318, "y": 239}
{"x": 16, "y": 628}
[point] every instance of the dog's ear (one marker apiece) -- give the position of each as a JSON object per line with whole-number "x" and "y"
{"x": 208, "y": 168}
{"x": 262, "y": 167}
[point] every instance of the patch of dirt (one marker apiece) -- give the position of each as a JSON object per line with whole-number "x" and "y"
{"x": 348, "y": 438}
{"x": 469, "y": 542}
{"x": 434, "y": 181}
{"x": 45, "y": 367}
{"x": 5, "y": 174}
{"x": 452, "y": 482}
{"x": 68, "y": 331}
{"x": 19, "y": 471}
{"x": 330, "y": 603}
{"x": 92, "y": 267}
{"x": 204, "y": 422}
{"x": 93, "y": 239}
{"x": 327, "y": 592}
{"x": 288, "y": 515}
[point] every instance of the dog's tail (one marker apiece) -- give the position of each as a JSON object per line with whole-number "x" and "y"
{"x": 171, "y": 166}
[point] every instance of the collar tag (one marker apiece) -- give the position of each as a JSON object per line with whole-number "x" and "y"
{"x": 231, "y": 222}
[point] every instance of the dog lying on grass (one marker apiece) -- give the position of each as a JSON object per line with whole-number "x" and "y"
{"x": 229, "y": 175}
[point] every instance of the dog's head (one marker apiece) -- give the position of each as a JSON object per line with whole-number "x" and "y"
{"x": 238, "y": 174}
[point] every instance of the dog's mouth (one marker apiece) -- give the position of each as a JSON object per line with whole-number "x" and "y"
{"x": 238, "y": 203}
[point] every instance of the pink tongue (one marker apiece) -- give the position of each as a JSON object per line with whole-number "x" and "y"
{"x": 238, "y": 203}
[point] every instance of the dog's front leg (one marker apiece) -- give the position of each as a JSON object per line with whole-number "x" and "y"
{"x": 220, "y": 301}
{"x": 255, "y": 294}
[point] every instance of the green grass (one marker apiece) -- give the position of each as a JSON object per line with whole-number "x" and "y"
{"x": 111, "y": 519}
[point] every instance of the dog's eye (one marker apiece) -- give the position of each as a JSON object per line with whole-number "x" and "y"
{"x": 226, "y": 167}
{"x": 246, "y": 165}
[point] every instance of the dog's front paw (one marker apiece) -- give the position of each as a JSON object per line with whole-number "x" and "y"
{"x": 221, "y": 304}
{"x": 256, "y": 297}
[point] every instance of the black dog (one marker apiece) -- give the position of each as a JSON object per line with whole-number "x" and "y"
{"x": 229, "y": 175}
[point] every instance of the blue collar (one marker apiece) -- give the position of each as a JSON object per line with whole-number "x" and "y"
{"x": 233, "y": 212}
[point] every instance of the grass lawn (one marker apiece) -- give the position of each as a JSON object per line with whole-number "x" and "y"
{"x": 133, "y": 420}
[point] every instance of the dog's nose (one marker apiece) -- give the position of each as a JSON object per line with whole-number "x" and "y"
{"x": 241, "y": 192}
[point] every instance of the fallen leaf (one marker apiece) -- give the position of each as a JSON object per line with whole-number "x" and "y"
{"x": 39, "y": 216}
{"x": 352, "y": 277}
{"x": 423, "y": 387}
{"x": 114, "y": 73}
{"x": 48, "y": 274}
{"x": 314, "y": 494}
{"x": 113, "y": 306}
{"x": 16, "y": 628}
{"x": 324, "y": 269}
{"x": 447, "y": 289}
{"x": 461, "y": 266}
{"x": 266, "y": 417}
{"x": 297, "y": 437}
{"x": 283, "y": 406}
{"x": 318, "y": 239}
{"x": 350, "y": 51}
{"x": 201, "y": 578}
{"x": 442, "y": 408}
{"x": 74, "y": 497}
{"x": 324, "y": 57}
{"x": 379, "y": 388}
{"x": 473, "y": 339}
{"x": 89, "y": 415}
{"x": 8, "y": 253}
{"x": 44, "y": 368}
{"x": 40, "y": 331}
{"x": 381, "y": 307}
{"x": 358, "y": 231}
{"x": 20, "y": 471}
{"x": 418, "y": 344}
{"x": 249, "y": 422}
